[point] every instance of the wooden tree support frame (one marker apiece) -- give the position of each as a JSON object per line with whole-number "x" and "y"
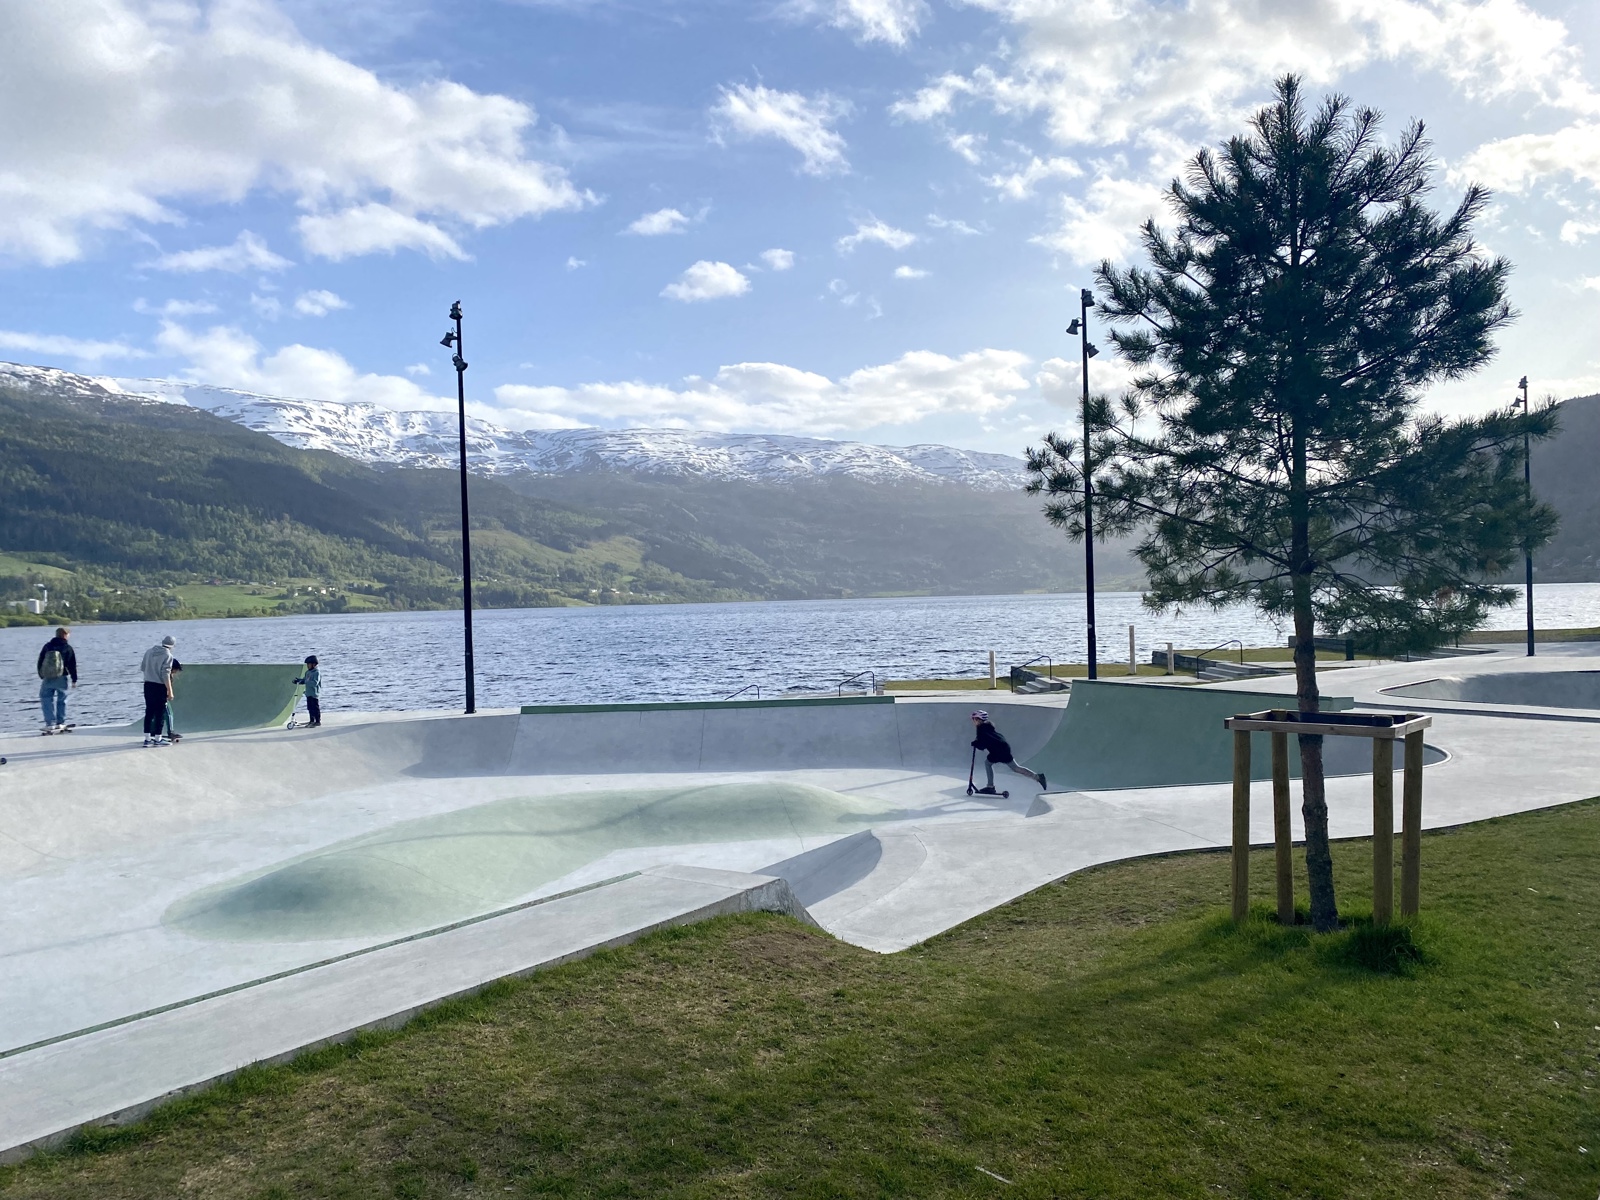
{"x": 1383, "y": 729}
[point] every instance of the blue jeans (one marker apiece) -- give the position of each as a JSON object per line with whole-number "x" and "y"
{"x": 53, "y": 700}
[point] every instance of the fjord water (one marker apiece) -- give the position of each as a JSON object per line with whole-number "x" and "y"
{"x": 397, "y": 661}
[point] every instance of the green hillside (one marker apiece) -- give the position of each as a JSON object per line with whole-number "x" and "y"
{"x": 126, "y": 509}
{"x": 1562, "y": 476}
{"x": 146, "y": 503}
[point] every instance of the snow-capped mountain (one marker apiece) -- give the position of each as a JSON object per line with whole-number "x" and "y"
{"x": 373, "y": 434}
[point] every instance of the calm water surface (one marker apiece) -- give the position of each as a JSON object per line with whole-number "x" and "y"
{"x": 663, "y": 652}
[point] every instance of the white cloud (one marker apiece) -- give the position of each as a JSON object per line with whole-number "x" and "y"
{"x": 874, "y": 230}
{"x": 1019, "y": 185}
{"x": 1576, "y": 231}
{"x": 247, "y": 252}
{"x": 1060, "y": 380}
{"x": 370, "y": 228}
{"x": 54, "y": 345}
{"x": 134, "y": 107}
{"x": 1135, "y": 69}
{"x": 226, "y": 356}
{"x": 175, "y": 308}
{"x": 1104, "y": 222}
{"x": 1514, "y": 164}
{"x": 910, "y": 273}
{"x": 892, "y": 21}
{"x": 665, "y": 220}
{"x": 803, "y": 122}
{"x": 968, "y": 145}
{"x": 778, "y": 260}
{"x": 318, "y": 303}
{"x": 771, "y": 396}
{"x": 707, "y": 281}
{"x": 935, "y": 221}
{"x": 416, "y": 370}
{"x": 574, "y": 263}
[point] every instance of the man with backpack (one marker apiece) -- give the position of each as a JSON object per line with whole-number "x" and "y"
{"x": 58, "y": 671}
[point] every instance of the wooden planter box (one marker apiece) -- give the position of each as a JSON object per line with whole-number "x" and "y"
{"x": 1383, "y": 729}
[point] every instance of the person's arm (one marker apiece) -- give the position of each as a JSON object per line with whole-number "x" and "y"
{"x": 72, "y": 664}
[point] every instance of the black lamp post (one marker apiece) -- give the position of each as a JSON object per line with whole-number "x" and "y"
{"x": 1089, "y": 349}
{"x": 1527, "y": 482}
{"x": 452, "y": 339}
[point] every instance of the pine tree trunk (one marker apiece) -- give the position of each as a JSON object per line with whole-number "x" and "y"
{"x": 1313, "y": 789}
{"x": 1314, "y": 798}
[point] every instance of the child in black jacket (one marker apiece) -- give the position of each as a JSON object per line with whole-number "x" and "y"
{"x": 988, "y": 740}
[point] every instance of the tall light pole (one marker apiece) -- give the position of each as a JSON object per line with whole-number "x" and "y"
{"x": 452, "y": 340}
{"x": 1527, "y": 482}
{"x": 1089, "y": 349}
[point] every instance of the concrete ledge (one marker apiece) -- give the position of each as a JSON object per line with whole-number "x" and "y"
{"x": 534, "y": 710}
{"x": 118, "y": 1075}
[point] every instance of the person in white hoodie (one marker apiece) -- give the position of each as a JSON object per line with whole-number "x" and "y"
{"x": 156, "y": 667}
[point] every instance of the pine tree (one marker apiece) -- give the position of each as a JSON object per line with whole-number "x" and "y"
{"x": 1271, "y": 450}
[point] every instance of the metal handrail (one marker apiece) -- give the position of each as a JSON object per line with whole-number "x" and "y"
{"x": 1050, "y": 666}
{"x": 1221, "y": 645}
{"x": 755, "y": 687}
{"x": 872, "y": 675}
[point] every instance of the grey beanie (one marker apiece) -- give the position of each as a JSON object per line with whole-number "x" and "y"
{"x": 169, "y": 640}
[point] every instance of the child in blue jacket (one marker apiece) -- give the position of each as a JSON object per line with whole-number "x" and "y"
{"x": 313, "y": 684}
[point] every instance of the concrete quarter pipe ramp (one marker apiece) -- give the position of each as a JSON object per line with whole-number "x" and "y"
{"x": 1127, "y": 735}
{"x": 210, "y": 698}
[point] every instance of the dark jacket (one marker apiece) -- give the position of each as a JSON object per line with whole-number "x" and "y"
{"x": 991, "y": 743}
{"x": 67, "y": 656}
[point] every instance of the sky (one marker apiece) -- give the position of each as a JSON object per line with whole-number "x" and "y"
{"x": 865, "y": 219}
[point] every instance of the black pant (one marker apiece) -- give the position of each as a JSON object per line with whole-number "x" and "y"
{"x": 155, "y": 708}
{"x": 314, "y": 710}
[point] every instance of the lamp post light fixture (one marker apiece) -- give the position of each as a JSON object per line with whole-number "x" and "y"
{"x": 1080, "y": 327}
{"x": 452, "y": 341}
{"x": 1527, "y": 483}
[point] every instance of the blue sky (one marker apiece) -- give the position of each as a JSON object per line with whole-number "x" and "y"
{"x": 855, "y": 218}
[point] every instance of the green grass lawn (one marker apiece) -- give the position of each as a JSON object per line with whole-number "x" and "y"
{"x": 11, "y": 564}
{"x": 1111, "y": 1035}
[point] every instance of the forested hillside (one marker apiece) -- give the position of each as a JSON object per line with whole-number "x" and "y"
{"x": 139, "y": 499}
{"x": 1564, "y": 475}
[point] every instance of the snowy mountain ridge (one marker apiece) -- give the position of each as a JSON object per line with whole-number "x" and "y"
{"x": 371, "y": 433}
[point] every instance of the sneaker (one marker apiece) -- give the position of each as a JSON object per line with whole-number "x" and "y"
{"x": 147, "y": 742}
{"x": 47, "y": 731}
{"x": 1042, "y": 785}
{"x": 987, "y": 791}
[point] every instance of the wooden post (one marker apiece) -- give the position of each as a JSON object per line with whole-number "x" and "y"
{"x": 1171, "y": 659}
{"x": 992, "y": 682}
{"x": 1411, "y": 828}
{"x": 1280, "y": 827}
{"x": 1241, "y": 824}
{"x": 1133, "y": 653}
{"x": 1382, "y": 830}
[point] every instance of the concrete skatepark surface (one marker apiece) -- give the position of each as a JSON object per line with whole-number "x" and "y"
{"x": 268, "y": 877}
